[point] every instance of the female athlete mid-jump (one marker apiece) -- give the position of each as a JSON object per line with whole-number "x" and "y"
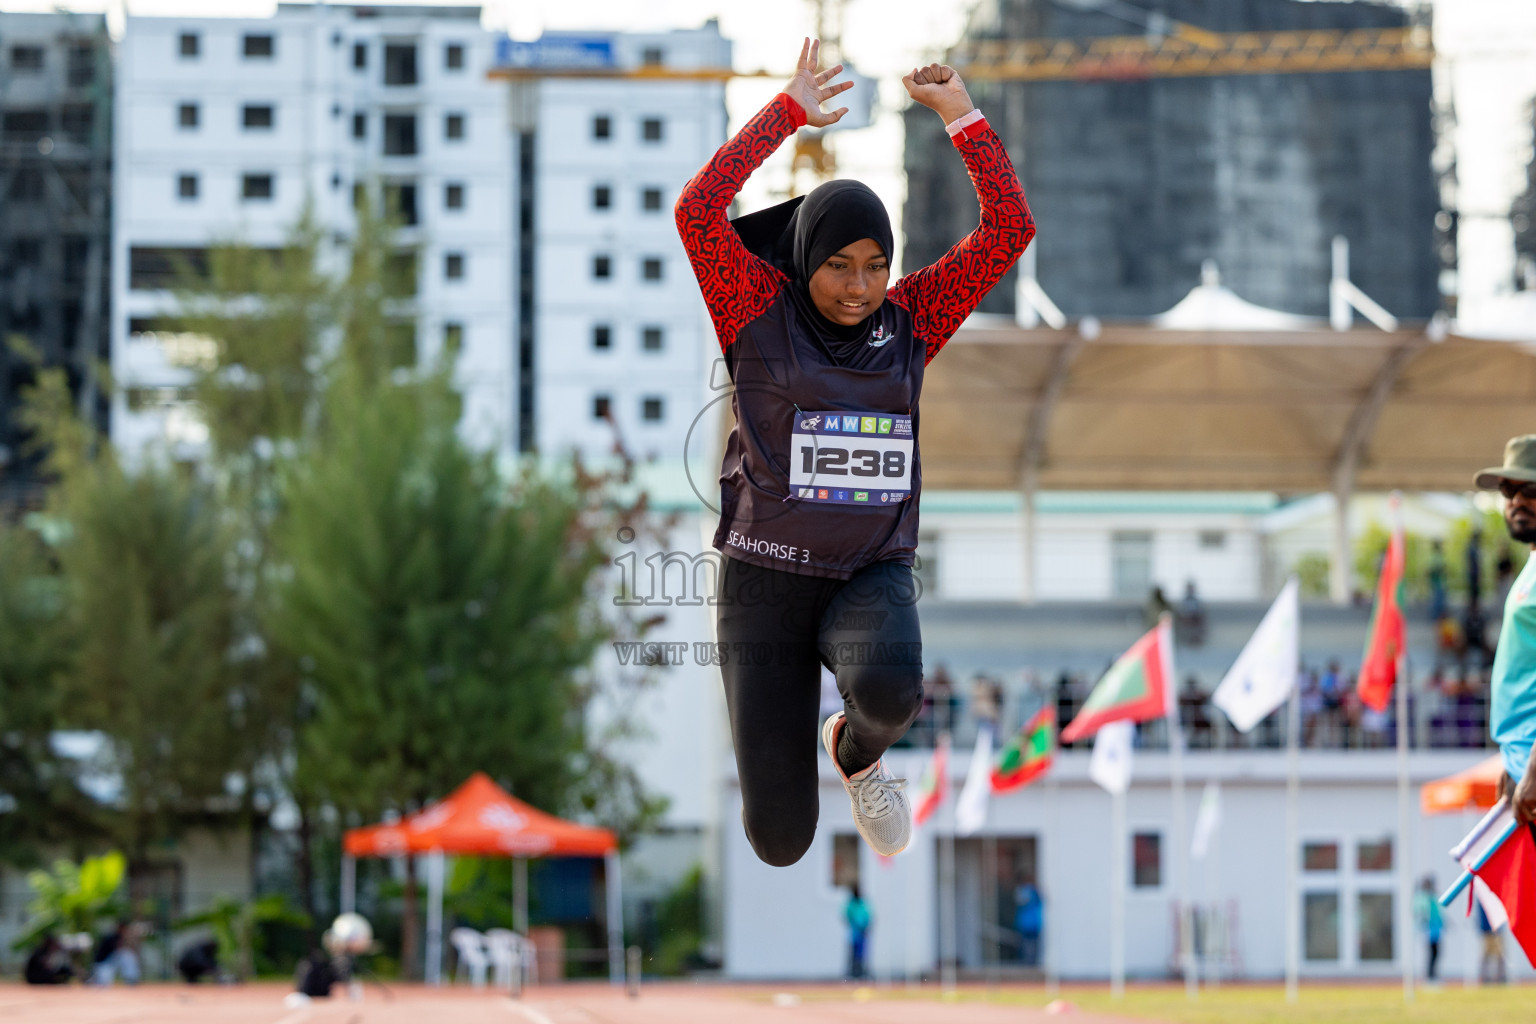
{"x": 819, "y": 487}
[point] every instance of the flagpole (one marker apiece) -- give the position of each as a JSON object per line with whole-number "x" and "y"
{"x": 1118, "y": 870}
{"x": 1181, "y": 853}
{"x": 1404, "y": 873}
{"x": 1052, "y": 967}
{"x": 1292, "y": 848}
{"x": 948, "y": 956}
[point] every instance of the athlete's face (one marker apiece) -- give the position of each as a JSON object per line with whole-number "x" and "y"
{"x": 1520, "y": 510}
{"x": 850, "y": 285}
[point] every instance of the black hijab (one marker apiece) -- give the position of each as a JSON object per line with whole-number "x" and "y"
{"x": 798, "y": 236}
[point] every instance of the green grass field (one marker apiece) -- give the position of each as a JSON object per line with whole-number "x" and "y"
{"x": 1265, "y": 1004}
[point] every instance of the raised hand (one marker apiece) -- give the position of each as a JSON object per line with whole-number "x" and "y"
{"x": 938, "y": 87}
{"x": 810, "y": 89}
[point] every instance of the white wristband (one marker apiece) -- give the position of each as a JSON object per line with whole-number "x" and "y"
{"x": 963, "y": 122}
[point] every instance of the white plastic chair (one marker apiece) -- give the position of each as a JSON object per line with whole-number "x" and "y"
{"x": 508, "y": 954}
{"x": 470, "y": 945}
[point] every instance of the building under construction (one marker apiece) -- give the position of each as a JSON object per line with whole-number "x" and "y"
{"x": 55, "y": 186}
{"x": 1138, "y": 173}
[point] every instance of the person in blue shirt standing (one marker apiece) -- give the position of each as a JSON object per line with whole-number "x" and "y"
{"x": 1029, "y": 921}
{"x": 858, "y": 917}
{"x": 1512, "y": 719}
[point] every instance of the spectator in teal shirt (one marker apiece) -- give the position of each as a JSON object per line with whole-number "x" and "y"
{"x": 1513, "y": 715}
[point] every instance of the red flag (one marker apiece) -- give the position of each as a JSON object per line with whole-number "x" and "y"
{"x": 1137, "y": 687}
{"x": 934, "y": 784}
{"x": 1511, "y": 873}
{"x": 1384, "y": 644}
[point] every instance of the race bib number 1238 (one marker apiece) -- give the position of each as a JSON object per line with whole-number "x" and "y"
{"x": 851, "y": 458}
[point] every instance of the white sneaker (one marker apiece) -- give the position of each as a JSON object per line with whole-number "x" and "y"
{"x": 881, "y": 812}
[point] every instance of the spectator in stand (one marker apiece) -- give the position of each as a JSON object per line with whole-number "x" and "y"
{"x": 1157, "y": 605}
{"x": 1436, "y": 577}
{"x": 1191, "y": 618}
{"x": 986, "y": 702}
{"x": 1311, "y": 705}
{"x": 1474, "y": 556}
{"x": 938, "y": 694}
{"x": 1474, "y": 637}
{"x": 1332, "y": 686}
{"x": 1349, "y": 712}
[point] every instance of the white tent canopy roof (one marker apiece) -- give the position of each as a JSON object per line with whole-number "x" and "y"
{"x": 1211, "y": 306}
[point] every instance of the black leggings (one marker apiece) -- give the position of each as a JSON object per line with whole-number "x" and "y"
{"x": 777, "y": 630}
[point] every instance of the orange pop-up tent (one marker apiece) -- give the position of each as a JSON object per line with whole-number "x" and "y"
{"x": 482, "y": 819}
{"x": 1475, "y": 787}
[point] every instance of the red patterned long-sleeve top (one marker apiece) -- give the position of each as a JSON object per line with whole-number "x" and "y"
{"x": 821, "y": 470}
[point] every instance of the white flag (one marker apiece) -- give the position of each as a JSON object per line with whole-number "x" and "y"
{"x": 971, "y": 808}
{"x": 1265, "y": 673}
{"x": 1110, "y": 765}
{"x": 1206, "y": 821}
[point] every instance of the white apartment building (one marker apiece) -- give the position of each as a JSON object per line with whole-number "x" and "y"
{"x": 227, "y": 127}
{"x": 616, "y": 339}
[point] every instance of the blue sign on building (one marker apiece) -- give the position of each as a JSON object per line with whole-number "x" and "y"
{"x": 556, "y": 51}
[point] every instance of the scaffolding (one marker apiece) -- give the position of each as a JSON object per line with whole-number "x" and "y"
{"x": 55, "y": 187}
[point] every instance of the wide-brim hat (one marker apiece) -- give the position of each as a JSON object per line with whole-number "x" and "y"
{"x": 1519, "y": 464}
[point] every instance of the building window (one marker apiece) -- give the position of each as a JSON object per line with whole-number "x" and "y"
{"x": 453, "y": 196}
{"x": 602, "y": 127}
{"x": 154, "y": 268}
{"x": 186, "y": 186}
{"x": 453, "y": 56}
{"x": 191, "y": 44}
{"x": 25, "y": 125}
{"x": 845, "y": 860}
{"x": 335, "y": 181}
{"x": 602, "y": 407}
{"x": 602, "y": 337}
{"x": 453, "y": 266}
{"x": 652, "y": 409}
{"x": 359, "y": 126}
{"x": 359, "y": 56}
{"x": 26, "y": 59}
{"x": 1373, "y": 855}
{"x": 602, "y": 267}
{"x": 651, "y": 339}
{"x": 186, "y": 115}
{"x": 400, "y": 274}
{"x": 1131, "y": 564}
{"x": 399, "y": 64}
{"x": 400, "y": 201}
{"x": 602, "y": 197}
{"x": 453, "y": 336}
{"x": 399, "y": 134}
{"x": 1375, "y": 921}
{"x": 453, "y": 126}
{"x": 1320, "y": 857}
{"x": 1146, "y": 860}
{"x": 82, "y": 65}
{"x": 400, "y": 343}
{"x": 1213, "y": 540}
{"x": 256, "y": 186}
{"x": 258, "y": 46}
{"x": 256, "y": 116}
{"x": 653, "y": 56}
{"x": 650, "y": 199}
{"x": 335, "y": 40}
{"x": 650, "y": 268}
{"x": 1320, "y": 925}
{"x": 651, "y": 129}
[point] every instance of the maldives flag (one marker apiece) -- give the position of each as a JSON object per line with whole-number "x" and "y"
{"x": 934, "y": 783}
{"x": 1136, "y": 688}
{"x": 1384, "y": 644}
{"x": 1029, "y": 754}
{"x": 1511, "y": 873}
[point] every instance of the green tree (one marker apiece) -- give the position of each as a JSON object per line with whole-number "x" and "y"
{"x": 41, "y": 802}
{"x": 149, "y": 615}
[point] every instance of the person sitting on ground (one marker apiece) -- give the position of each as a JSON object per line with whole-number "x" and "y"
{"x": 48, "y": 964}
